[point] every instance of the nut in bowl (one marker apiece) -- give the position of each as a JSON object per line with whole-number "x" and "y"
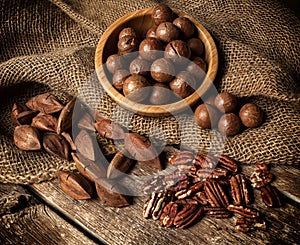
{"x": 153, "y": 68}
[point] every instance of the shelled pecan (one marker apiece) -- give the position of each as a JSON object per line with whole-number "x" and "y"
{"x": 188, "y": 215}
{"x": 244, "y": 211}
{"x": 217, "y": 212}
{"x": 239, "y": 189}
{"x": 182, "y": 158}
{"x": 271, "y": 196}
{"x": 215, "y": 194}
{"x": 168, "y": 215}
{"x": 245, "y": 224}
{"x": 227, "y": 163}
{"x": 261, "y": 176}
{"x": 205, "y": 161}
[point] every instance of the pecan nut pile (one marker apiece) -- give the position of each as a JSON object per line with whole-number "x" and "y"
{"x": 213, "y": 186}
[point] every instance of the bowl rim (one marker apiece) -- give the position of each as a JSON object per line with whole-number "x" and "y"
{"x": 156, "y": 110}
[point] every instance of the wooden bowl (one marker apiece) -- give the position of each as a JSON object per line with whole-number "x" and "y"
{"x": 141, "y": 21}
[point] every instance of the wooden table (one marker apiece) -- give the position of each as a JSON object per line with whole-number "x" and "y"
{"x": 47, "y": 216}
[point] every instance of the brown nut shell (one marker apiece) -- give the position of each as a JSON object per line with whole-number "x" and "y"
{"x": 27, "y": 138}
{"x": 251, "y": 115}
{"x": 56, "y": 145}
{"x": 46, "y": 103}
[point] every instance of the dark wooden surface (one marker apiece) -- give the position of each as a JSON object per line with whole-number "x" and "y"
{"x": 48, "y": 216}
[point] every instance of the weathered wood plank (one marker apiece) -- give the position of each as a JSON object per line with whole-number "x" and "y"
{"x": 25, "y": 221}
{"x": 127, "y": 226}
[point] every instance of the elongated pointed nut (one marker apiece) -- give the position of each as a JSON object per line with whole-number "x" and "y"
{"x": 142, "y": 150}
{"x": 46, "y": 103}
{"x": 75, "y": 185}
{"x": 25, "y": 117}
{"x": 110, "y": 193}
{"x": 56, "y": 145}
{"x": 109, "y": 129}
{"x": 16, "y": 110}
{"x": 64, "y": 122}
{"x": 70, "y": 140}
{"x": 27, "y": 138}
{"x": 118, "y": 165}
{"x": 89, "y": 169}
{"x": 86, "y": 144}
{"x": 45, "y": 122}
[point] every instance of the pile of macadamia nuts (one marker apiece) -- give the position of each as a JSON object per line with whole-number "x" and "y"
{"x": 225, "y": 113}
{"x": 164, "y": 66}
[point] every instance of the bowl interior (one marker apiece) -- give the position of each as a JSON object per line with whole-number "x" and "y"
{"x": 141, "y": 21}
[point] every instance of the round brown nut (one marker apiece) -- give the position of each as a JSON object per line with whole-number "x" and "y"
{"x": 140, "y": 66}
{"x": 186, "y": 26}
{"x": 119, "y": 77}
{"x": 167, "y": 32}
{"x": 206, "y": 116}
{"x": 150, "y": 48}
{"x": 128, "y": 31}
{"x": 162, "y": 13}
{"x": 229, "y": 124}
{"x": 251, "y": 115}
{"x": 114, "y": 62}
{"x": 134, "y": 88}
{"x": 197, "y": 67}
{"x": 151, "y": 32}
{"x": 162, "y": 70}
{"x": 177, "y": 51}
{"x": 127, "y": 44}
{"x": 160, "y": 95}
{"x": 184, "y": 84}
{"x": 226, "y": 102}
{"x": 196, "y": 46}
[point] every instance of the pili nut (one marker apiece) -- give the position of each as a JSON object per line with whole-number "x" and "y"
{"x": 142, "y": 150}
{"x": 25, "y": 117}
{"x": 16, "y": 110}
{"x": 75, "y": 185}
{"x": 244, "y": 211}
{"x": 119, "y": 165}
{"x": 56, "y": 145}
{"x": 27, "y": 138}
{"x": 189, "y": 215}
{"x": 46, "y": 103}
{"x": 168, "y": 215}
{"x": 240, "y": 190}
{"x": 89, "y": 169}
{"x": 87, "y": 145}
{"x": 271, "y": 196}
{"x": 111, "y": 193}
{"x": 227, "y": 163}
{"x": 109, "y": 129}
{"x": 70, "y": 140}
{"x": 217, "y": 212}
{"x": 216, "y": 195}
{"x": 45, "y": 122}
{"x": 64, "y": 122}
{"x": 86, "y": 122}
{"x": 204, "y": 161}
{"x": 181, "y": 158}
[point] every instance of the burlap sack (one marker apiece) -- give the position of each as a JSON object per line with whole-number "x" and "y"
{"x": 50, "y": 45}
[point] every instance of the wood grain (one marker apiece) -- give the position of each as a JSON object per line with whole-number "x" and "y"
{"x": 141, "y": 21}
{"x": 127, "y": 226}
{"x": 26, "y": 221}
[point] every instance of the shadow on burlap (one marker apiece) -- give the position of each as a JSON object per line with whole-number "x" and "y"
{"x": 50, "y": 45}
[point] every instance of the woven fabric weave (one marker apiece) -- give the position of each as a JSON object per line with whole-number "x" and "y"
{"x": 49, "y": 46}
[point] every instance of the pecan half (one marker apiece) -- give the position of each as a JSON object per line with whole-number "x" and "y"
{"x": 216, "y": 173}
{"x": 204, "y": 161}
{"x": 201, "y": 198}
{"x": 239, "y": 190}
{"x": 155, "y": 204}
{"x": 261, "y": 176}
{"x": 190, "y": 214}
{"x": 182, "y": 158}
{"x": 244, "y": 211}
{"x": 168, "y": 215}
{"x": 215, "y": 194}
{"x": 217, "y": 212}
{"x": 271, "y": 196}
{"x": 184, "y": 193}
{"x": 245, "y": 224}
{"x": 227, "y": 163}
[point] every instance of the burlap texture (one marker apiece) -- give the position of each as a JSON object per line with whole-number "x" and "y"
{"x": 50, "y": 45}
